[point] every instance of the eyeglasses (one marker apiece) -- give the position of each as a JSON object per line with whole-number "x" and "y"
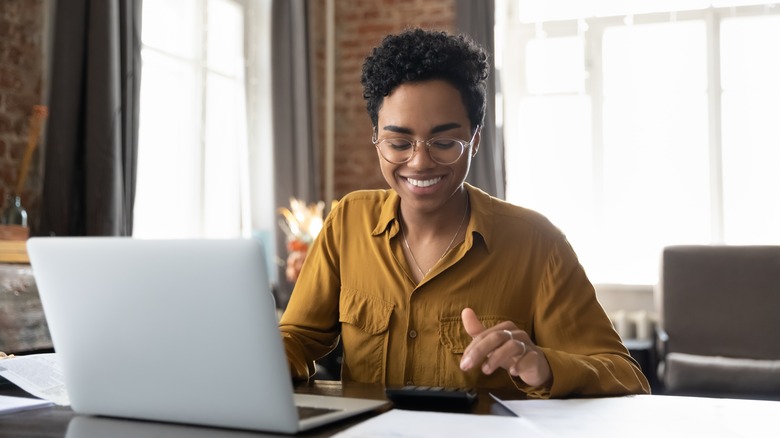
{"x": 442, "y": 150}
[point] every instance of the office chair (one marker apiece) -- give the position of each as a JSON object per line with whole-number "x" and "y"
{"x": 719, "y": 332}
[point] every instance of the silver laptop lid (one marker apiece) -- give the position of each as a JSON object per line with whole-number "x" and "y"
{"x": 171, "y": 330}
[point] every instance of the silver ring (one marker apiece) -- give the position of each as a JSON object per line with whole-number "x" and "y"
{"x": 511, "y": 337}
{"x": 525, "y": 349}
{"x": 522, "y": 344}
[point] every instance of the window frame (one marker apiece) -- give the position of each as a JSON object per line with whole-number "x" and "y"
{"x": 198, "y": 226}
{"x": 516, "y": 35}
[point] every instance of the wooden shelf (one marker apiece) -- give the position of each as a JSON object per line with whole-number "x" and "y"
{"x": 13, "y": 244}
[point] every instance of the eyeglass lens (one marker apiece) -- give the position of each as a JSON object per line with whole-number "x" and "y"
{"x": 441, "y": 150}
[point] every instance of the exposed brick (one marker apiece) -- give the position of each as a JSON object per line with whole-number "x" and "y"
{"x": 16, "y": 151}
{"x": 8, "y": 173}
{"x": 21, "y": 73}
{"x": 5, "y": 31}
{"x": 10, "y": 79}
{"x": 6, "y": 122}
{"x": 21, "y": 104}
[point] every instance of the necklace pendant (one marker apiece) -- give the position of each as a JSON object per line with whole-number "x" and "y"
{"x": 446, "y": 250}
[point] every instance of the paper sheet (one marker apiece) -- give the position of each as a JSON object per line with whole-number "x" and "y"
{"x": 399, "y": 423}
{"x": 10, "y": 404}
{"x": 650, "y": 416}
{"x": 38, "y": 374}
{"x": 635, "y": 416}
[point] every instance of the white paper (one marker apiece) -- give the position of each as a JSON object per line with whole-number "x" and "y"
{"x": 399, "y": 423}
{"x": 650, "y": 416}
{"x": 38, "y": 374}
{"x": 10, "y": 404}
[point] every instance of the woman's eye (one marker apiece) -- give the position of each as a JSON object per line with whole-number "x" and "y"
{"x": 398, "y": 144}
{"x": 443, "y": 143}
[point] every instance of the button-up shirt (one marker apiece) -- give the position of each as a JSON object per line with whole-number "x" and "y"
{"x": 513, "y": 265}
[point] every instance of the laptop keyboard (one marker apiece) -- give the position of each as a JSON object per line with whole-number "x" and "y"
{"x": 305, "y": 412}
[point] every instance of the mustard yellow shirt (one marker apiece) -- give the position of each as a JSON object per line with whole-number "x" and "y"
{"x": 513, "y": 265}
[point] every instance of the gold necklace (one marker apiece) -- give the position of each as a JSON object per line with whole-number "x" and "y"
{"x": 406, "y": 242}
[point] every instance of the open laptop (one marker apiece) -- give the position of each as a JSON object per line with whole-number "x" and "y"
{"x": 173, "y": 330}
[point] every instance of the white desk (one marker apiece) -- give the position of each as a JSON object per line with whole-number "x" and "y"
{"x": 655, "y": 416}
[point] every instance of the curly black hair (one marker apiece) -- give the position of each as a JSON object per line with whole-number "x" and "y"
{"x": 418, "y": 55}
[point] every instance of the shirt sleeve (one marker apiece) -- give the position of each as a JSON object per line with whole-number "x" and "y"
{"x": 310, "y": 323}
{"x": 585, "y": 353}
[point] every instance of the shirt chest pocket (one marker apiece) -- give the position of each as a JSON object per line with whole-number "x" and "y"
{"x": 454, "y": 337}
{"x": 364, "y": 323}
{"x": 454, "y": 341}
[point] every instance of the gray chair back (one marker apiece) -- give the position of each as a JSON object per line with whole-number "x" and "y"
{"x": 720, "y": 309}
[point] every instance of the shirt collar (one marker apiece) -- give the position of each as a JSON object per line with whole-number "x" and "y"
{"x": 388, "y": 216}
{"x": 480, "y": 222}
{"x": 482, "y": 215}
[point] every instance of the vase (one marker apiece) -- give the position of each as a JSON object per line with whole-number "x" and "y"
{"x": 14, "y": 213}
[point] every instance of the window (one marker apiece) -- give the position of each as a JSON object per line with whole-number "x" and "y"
{"x": 632, "y": 130}
{"x": 750, "y": 60}
{"x": 192, "y": 158}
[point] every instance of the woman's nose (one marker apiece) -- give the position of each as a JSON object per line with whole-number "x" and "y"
{"x": 421, "y": 159}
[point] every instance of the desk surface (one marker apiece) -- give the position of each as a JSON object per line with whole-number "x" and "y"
{"x": 639, "y": 416}
{"x": 53, "y": 422}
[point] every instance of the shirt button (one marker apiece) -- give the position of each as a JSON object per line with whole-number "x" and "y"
{"x": 412, "y": 334}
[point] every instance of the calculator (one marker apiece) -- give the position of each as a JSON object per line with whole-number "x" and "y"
{"x": 432, "y": 398}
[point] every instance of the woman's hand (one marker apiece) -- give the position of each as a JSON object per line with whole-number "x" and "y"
{"x": 504, "y": 346}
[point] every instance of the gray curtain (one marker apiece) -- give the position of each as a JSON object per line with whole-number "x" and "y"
{"x": 92, "y": 132}
{"x": 476, "y": 18}
{"x": 296, "y": 153}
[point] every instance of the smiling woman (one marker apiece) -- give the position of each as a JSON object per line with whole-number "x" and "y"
{"x": 434, "y": 282}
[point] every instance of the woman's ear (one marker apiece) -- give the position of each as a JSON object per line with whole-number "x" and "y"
{"x": 475, "y": 144}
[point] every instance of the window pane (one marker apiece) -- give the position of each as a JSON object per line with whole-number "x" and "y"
{"x": 555, "y": 65}
{"x": 750, "y": 59}
{"x": 180, "y": 38}
{"x": 225, "y": 37}
{"x": 534, "y": 11}
{"x": 169, "y": 119}
{"x": 655, "y": 179}
{"x": 548, "y": 167}
{"x": 750, "y": 55}
{"x": 655, "y": 58}
{"x": 656, "y": 151}
{"x": 225, "y": 126}
{"x": 192, "y": 140}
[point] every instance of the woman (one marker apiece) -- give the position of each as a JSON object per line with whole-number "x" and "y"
{"x": 434, "y": 282}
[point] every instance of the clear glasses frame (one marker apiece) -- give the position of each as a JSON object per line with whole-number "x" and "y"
{"x": 399, "y": 150}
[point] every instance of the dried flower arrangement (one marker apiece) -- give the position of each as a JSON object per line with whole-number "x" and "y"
{"x": 301, "y": 224}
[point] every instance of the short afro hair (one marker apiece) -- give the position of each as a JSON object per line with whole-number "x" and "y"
{"x": 416, "y": 55}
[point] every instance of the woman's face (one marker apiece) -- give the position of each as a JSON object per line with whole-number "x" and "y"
{"x": 420, "y": 111}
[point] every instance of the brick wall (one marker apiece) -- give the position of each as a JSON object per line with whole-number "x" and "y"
{"x": 361, "y": 25}
{"x": 21, "y": 87}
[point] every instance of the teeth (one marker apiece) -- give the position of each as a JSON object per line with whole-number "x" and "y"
{"x": 423, "y": 183}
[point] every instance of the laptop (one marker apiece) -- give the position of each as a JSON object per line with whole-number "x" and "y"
{"x": 88, "y": 426}
{"x": 180, "y": 331}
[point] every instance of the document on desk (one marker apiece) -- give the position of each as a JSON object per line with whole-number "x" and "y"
{"x": 399, "y": 423}
{"x": 650, "y": 416}
{"x": 10, "y": 404}
{"x": 38, "y": 374}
